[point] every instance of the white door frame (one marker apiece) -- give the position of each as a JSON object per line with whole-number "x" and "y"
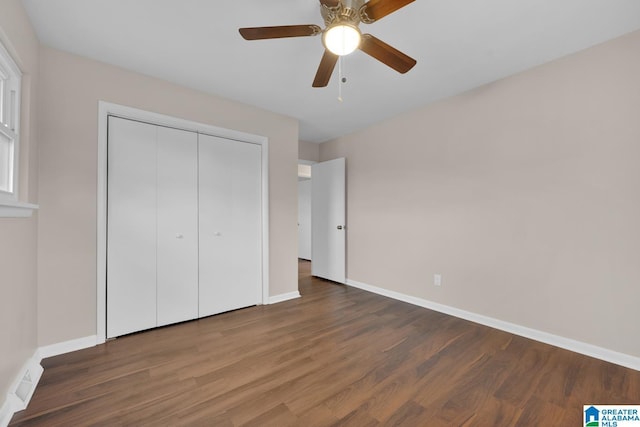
{"x": 106, "y": 109}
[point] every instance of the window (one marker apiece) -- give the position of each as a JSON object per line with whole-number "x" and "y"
{"x": 9, "y": 125}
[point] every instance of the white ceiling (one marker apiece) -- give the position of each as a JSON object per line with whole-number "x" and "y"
{"x": 459, "y": 45}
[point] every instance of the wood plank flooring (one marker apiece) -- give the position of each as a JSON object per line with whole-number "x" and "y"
{"x": 336, "y": 356}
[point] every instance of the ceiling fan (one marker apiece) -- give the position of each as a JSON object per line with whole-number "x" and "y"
{"x": 342, "y": 35}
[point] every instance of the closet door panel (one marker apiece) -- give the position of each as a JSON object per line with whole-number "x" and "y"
{"x": 230, "y": 224}
{"x": 131, "y": 228}
{"x": 177, "y": 229}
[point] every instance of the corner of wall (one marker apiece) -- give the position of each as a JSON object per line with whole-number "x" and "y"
{"x": 308, "y": 151}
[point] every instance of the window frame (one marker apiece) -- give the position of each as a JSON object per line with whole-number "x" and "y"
{"x": 10, "y": 205}
{"x": 10, "y": 126}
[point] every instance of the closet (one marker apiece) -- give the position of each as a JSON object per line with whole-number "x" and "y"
{"x": 183, "y": 225}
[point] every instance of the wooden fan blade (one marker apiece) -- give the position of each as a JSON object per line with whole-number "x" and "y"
{"x": 378, "y": 9}
{"x": 386, "y": 54}
{"x": 327, "y": 64}
{"x": 330, "y": 3}
{"x": 261, "y": 33}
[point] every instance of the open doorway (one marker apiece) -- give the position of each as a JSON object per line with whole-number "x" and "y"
{"x": 304, "y": 221}
{"x": 304, "y": 210}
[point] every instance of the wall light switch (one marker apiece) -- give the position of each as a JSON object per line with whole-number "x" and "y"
{"x": 437, "y": 280}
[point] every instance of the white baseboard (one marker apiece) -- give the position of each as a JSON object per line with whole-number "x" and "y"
{"x": 283, "y": 297}
{"x": 67, "y": 346}
{"x": 591, "y": 350}
{"x": 6, "y": 413}
{"x": 21, "y": 389}
{"x": 25, "y": 383}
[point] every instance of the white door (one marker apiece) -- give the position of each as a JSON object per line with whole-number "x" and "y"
{"x": 152, "y": 237}
{"x": 328, "y": 220}
{"x": 304, "y": 219}
{"x": 131, "y": 232}
{"x": 177, "y": 226}
{"x": 230, "y": 224}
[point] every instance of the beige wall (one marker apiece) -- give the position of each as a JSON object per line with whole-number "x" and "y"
{"x": 18, "y": 254}
{"x": 70, "y": 89}
{"x": 309, "y": 151}
{"x": 524, "y": 194}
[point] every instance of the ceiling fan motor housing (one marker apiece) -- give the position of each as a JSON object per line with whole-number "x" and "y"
{"x": 346, "y": 11}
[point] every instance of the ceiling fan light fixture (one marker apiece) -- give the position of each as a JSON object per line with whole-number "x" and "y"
{"x": 341, "y": 35}
{"x": 342, "y": 39}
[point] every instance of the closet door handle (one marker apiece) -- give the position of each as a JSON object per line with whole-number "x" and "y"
{"x": 179, "y": 236}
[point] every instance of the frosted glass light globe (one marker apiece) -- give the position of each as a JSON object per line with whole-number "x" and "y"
{"x": 341, "y": 39}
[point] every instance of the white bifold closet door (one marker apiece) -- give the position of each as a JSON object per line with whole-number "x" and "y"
{"x": 230, "y": 224}
{"x": 184, "y": 226}
{"x": 131, "y": 228}
{"x": 177, "y": 216}
{"x": 152, "y": 230}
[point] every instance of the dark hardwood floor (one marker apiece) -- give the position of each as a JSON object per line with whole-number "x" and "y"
{"x": 336, "y": 356}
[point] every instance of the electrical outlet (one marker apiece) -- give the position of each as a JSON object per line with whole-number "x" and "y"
{"x": 437, "y": 280}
